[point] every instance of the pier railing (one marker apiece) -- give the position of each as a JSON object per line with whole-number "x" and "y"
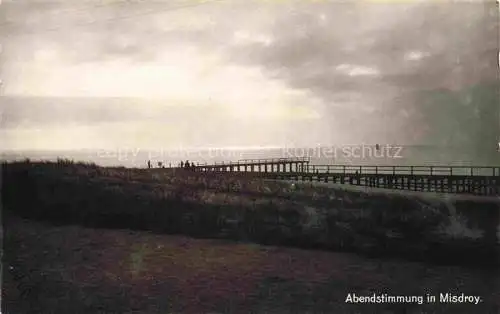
{"x": 261, "y": 161}
{"x": 407, "y": 170}
{"x": 359, "y": 170}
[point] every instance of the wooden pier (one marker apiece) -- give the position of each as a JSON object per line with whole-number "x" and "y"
{"x": 441, "y": 179}
{"x": 278, "y": 165}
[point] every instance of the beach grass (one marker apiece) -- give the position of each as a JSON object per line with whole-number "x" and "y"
{"x": 74, "y": 269}
{"x": 79, "y": 238}
{"x": 242, "y": 207}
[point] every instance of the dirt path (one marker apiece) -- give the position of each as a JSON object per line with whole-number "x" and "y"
{"x": 67, "y": 269}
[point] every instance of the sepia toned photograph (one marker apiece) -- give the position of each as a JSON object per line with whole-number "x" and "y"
{"x": 250, "y": 156}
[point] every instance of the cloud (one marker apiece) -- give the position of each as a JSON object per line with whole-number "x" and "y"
{"x": 415, "y": 55}
{"x": 348, "y": 67}
{"x": 357, "y": 70}
{"x": 243, "y": 37}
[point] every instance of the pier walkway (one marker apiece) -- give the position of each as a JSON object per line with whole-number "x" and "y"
{"x": 440, "y": 179}
{"x": 290, "y": 165}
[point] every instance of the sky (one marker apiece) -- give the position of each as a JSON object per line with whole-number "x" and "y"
{"x": 227, "y": 73}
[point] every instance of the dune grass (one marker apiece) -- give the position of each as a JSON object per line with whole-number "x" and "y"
{"x": 73, "y": 269}
{"x": 241, "y": 207}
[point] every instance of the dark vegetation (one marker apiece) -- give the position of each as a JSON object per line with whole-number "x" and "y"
{"x": 237, "y": 207}
{"x": 73, "y": 269}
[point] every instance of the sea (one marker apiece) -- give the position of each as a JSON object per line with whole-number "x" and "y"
{"x": 359, "y": 154}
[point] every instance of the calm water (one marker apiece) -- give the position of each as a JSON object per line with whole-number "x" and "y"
{"x": 353, "y": 154}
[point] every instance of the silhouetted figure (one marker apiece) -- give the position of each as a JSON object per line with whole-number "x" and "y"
{"x": 160, "y": 164}
{"x": 182, "y": 164}
{"x": 186, "y": 164}
{"x": 149, "y": 164}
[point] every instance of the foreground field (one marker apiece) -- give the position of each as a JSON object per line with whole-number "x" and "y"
{"x": 70, "y": 269}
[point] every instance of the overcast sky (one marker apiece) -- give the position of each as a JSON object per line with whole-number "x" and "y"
{"x": 245, "y": 73}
